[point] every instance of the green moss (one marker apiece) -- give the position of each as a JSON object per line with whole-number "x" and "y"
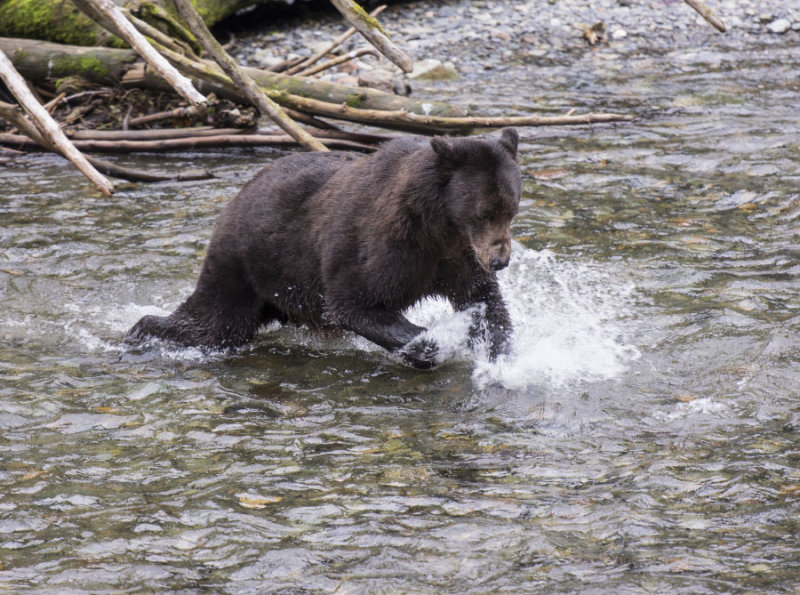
{"x": 51, "y": 20}
{"x": 355, "y": 100}
{"x": 370, "y": 21}
{"x": 278, "y": 96}
{"x": 62, "y": 22}
{"x": 89, "y": 66}
{"x": 211, "y": 11}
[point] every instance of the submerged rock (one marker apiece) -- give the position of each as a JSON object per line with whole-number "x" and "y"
{"x": 384, "y": 80}
{"x": 434, "y": 70}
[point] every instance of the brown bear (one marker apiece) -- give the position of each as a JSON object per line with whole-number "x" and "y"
{"x": 338, "y": 240}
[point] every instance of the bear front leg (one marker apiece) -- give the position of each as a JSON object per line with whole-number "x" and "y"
{"x": 393, "y": 331}
{"x": 490, "y": 320}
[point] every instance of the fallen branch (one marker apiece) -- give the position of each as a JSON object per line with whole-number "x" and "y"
{"x": 125, "y": 29}
{"x": 206, "y": 131}
{"x": 310, "y": 120}
{"x": 333, "y": 45}
{"x": 155, "y": 134}
{"x": 34, "y": 141}
{"x": 179, "y": 113}
{"x": 51, "y": 105}
{"x": 42, "y": 62}
{"x": 18, "y": 141}
{"x": 138, "y": 175}
{"x": 372, "y": 31}
{"x": 707, "y": 14}
{"x": 245, "y": 83}
{"x": 406, "y": 120}
{"x": 43, "y": 124}
{"x": 336, "y": 61}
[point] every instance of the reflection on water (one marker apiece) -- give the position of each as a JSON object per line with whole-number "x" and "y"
{"x": 643, "y": 436}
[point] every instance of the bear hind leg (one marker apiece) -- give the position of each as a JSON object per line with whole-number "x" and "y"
{"x": 196, "y": 323}
{"x": 150, "y": 326}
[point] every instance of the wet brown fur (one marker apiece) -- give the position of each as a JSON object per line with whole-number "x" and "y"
{"x": 332, "y": 239}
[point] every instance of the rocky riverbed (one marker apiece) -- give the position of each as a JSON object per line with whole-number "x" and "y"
{"x": 644, "y": 438}
{"x": 452, "y": 38}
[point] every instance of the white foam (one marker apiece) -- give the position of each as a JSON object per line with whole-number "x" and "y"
{"x": 121, "y": 319}
{"x": 107, "y": 328}
{"x": 697, "y": 408}
{"x": 567, "y": 324}
{"x": 567, "y": 318}
{"x": 449, "y": 329}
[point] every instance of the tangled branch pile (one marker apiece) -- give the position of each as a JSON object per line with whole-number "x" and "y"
{"x": 216, "y": 92}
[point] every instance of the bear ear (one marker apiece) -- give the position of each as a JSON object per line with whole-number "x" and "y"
{"x": 446, "y": 156}
{"x": 442, "y": 147}
{"x": 509, "y": 139}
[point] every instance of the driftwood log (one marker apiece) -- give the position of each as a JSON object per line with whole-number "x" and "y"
{"x": 176, "y": 142}
{"x": 45, "y": 63}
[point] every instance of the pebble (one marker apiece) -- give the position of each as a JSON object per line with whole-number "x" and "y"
{"x": 264, "y": 58}
{"x": 384, "y": 80}
{"x": 780, "y": 26}
{"x": 501, "y": 35}
{"x": 479, "y": 34}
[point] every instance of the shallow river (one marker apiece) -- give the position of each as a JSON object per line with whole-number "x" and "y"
{"x": 645, "y": 435}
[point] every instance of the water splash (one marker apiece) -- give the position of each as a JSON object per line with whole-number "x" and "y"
{"x": 566, "y": 315}
{"x": 567, "y": 324}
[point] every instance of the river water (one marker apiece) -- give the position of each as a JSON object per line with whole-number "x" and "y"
{"x": 645, "y": 436}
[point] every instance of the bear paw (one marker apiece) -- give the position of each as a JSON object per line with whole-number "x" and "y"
{"x": 421, "y": 354}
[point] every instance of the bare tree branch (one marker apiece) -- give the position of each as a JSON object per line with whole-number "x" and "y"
{"x": 336, "y": 61}
{"x": 125, "y": 29}
{"x": 372, "y": 31}
{"x": 44, "y": 125}
{"x": 305, "y": 64}
{"x": 411, "y": 121}
{"x": 707, "y": 14}
{"x": 247, "y": 85}
{"x": 18, "y": 141}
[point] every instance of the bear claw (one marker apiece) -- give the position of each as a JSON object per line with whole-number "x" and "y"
{"x": 421, "y": 354}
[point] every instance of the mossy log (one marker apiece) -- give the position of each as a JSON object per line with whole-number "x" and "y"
{"x": 61, "y": 21}
{"x": 44, "y": 63}
{"x": 53, "y": 20}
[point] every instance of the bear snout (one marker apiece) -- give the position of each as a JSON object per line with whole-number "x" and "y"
{"x": 493, "y": 248}
{"x": 497, "y": 264}
{"x": 500, "y": 253}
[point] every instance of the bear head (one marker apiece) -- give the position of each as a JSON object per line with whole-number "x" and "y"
{"x": 481, "y": 187}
